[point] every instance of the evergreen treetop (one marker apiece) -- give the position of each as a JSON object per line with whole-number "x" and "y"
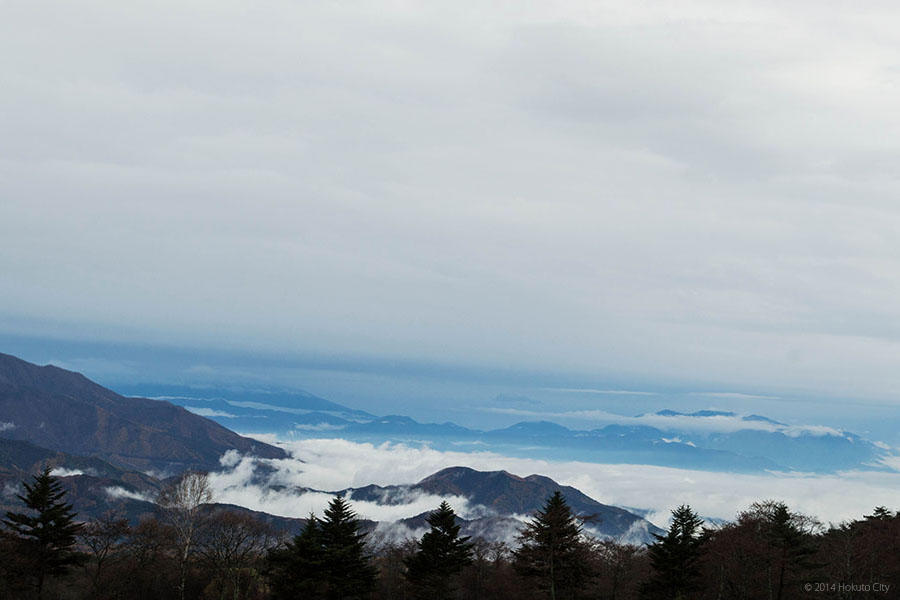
{"x": 296, "y": 570}
{"x": 46, "y": 535}
{"x": 553, "y": 551}
{"x": 441, "y": 554}
{"x": 328, "y": 559}
{"x": 675, "y": 557}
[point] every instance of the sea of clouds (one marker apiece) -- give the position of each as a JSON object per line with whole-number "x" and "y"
{"x": 300, "y": 484}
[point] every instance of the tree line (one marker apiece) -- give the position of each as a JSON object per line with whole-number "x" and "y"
{"x": 192, "y": 550}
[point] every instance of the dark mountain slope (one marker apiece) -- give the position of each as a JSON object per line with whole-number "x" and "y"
{"x": 20, "y": 459}
{"x": 93, "y": 485}
{"x": 504, "y": 495}
{"x": 510, "y": 494}
{"x": 65, "y": 411}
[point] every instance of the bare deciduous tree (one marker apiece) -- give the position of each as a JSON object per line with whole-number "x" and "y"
{"x": 105, "y": 537}
{"x": 231, "y": 544}
{"x": 180, "y": 505}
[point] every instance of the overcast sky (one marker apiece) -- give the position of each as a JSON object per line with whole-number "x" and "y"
{"x": 673, "y": 191}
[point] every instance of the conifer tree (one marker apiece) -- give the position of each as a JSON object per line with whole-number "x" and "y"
{"x": 347, "y": 566}
{"x": 675, "y": 557}
{"x": 45, "y": 537}
{"x": 296, "y": 571}
{"x": 553, "y": 552}
{"x": 788, "y": 536}
{"x": 328, "y": 560}
{"x": 441, "y": 554}
{"x": 880, "y": 513}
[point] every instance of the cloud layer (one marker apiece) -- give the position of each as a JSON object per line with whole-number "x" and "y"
{"x": 338, "y": 464}
{"x": 63, "y": 472}
{"x": 204, "y": 411}
{"x": 681, "y": 191}
{"x": 281, "y": 493}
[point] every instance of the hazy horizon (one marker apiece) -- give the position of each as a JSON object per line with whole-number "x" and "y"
{"x": 480, "y": 399}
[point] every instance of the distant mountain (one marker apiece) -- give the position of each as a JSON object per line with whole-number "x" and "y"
{"x": 247, "y": 409}
{"x": 715, "y": 413}
{"x": 405, "y": 426}
{"x": 531, "y": 429}
{"x": 612, "y": 444}
{"x": 798, "y": 448}
{"x": 712, "y": 440}
{"x": 745, "y": 443}
{"x": 498, "y": 498}
{"x": 509, "y": 494}
{"x": 64, "y": 411}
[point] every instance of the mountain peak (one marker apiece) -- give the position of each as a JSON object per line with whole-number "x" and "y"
{"x": 505, "y": 493}
{"x": 65, "y": 411}
{"x": 666, "y": 412}
{"x": 16, "y": 373}
{"x": 536, "y": 428}
{"x": 762, "y": 419}
{"x": 454, "y": 474}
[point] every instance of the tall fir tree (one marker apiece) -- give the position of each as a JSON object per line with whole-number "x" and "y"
{"x": 296, "y": 570}
{"x": 45, "y": 537}
{"x": 328, "y": 560}
{"x": 788, "y": 536}
{"x": 348, "y": 566}
{"x": 553, "y": 551}
{"x": 441, "y": 555}
{"x": 675, "y": 557}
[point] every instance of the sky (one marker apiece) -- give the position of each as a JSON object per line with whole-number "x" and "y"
{"x": 682, "y": 196}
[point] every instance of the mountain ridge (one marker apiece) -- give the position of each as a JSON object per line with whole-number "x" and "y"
{"x": 501, "y": 494}
{"x": 136, "y": 433}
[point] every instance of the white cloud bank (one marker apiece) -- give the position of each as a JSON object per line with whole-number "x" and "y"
{"x": 63, "y": 472}
{"x": 7, "y": 426}
{"x": 238, "y": 484}
{"x": 318, "y": 427}
{"x": 684, "y": 190}
{"x": 336, "y": 464}
{"x": 209, "y": 412}
{"x": 119, "y": 493}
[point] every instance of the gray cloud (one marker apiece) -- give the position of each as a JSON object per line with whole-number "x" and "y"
{"x": 601, "y": 392}
{"x": 685, "y": 192}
